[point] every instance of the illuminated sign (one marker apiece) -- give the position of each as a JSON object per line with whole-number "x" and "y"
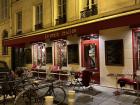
{"x": 61, "y": 33}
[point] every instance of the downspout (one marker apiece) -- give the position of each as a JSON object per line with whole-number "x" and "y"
{"x": 10, "y": 30}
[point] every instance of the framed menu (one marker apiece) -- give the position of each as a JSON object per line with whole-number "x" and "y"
{"x": 114, "y": 53}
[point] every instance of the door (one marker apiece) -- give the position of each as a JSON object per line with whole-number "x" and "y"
{"x": 136, "y": 51}
{"x": 18, "y": 59}
{"x": 90, "y": 56}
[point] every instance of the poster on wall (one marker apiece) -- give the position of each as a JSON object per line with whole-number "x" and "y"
{"x": 114, "y": 54}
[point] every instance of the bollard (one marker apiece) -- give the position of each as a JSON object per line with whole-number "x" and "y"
{"x": 71, "y": 101}
{"x": 71, "y": 97}
{"x": 49, "y": 100}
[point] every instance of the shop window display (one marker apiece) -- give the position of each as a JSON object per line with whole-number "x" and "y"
{"x": 114, "y": 54}
{"x": 90, "y": 51}
{"x": 60, "y": 53}
{"x": 49, "y": 55}
{"x": 136, "y": 51}
{"x": 89, "y": 54}
{"x": 138, "y": 41}
{"x": 39, "y": 54}
{"x": 28, "y": 57}
{"x": 73, "y": 53}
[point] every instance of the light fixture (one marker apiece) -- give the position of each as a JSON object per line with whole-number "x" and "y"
{"x": 43, "y": 49}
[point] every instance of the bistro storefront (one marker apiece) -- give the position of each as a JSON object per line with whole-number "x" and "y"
{"x": 106, "y": 47}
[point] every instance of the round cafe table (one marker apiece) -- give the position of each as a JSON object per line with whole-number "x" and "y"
{"x": 116, "y": 76}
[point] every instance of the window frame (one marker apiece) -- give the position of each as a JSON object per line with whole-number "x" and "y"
{"x": 61, "y": 8}
{"x": 39, "y": 14}
{"x": 4, "y": 48}
{"x": 89, "y": 3}
{"x": 4, "y": 9}
{"x": 19, "y": 22}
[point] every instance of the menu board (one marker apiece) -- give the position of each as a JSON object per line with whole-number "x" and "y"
{"x": 114, "y": 54}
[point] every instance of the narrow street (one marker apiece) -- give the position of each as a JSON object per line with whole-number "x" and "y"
{"x": 100, "y": 96}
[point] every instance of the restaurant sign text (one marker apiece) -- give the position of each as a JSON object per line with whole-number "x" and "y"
{"x": 61, "y": 33}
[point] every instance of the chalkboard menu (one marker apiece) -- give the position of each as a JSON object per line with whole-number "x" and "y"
{"x": 48, "y": 55}
{"x": 114, "y": 55}
{"x": 73, "y": 53}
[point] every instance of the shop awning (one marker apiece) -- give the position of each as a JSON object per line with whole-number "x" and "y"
{"x": 21, "y": 41}
{"x": 132, "y": 20}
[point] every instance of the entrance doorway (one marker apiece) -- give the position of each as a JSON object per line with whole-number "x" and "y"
{"x": 90, "y": 54}
{"x": 18, "y": 59}
{"x": 136, "y": 51}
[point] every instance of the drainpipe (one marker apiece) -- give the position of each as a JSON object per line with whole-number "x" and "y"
{"x": 10, "y": 18}
{"x": 10, "y": 30}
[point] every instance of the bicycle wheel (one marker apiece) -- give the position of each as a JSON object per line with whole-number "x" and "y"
{"x": 59, "y": 95}
{"x": 28, "y": 97}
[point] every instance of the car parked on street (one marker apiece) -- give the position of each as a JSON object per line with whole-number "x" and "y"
{"x": 4, "y": 69}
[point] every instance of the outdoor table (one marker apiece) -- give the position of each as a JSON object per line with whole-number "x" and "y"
{"x": 116, "y": 76}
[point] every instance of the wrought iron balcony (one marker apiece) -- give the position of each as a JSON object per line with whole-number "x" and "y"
{"x": 38, "y": 26}
{"x": 89, "y": 12}
{"x": 61, "y": 20}
{"x": 19, "y": 32}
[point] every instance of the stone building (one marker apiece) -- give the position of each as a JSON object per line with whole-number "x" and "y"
{"x": 61, "y": 33}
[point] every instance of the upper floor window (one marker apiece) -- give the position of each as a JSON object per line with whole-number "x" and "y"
{"x": 19, "y": 23}
{"x": 4, "y": 4}
{"x": 61, "y": 12}
{"x": 5, "y": 48}
{"x": 89, "y": 8}
{"x": 38, "y": 16}
{"x": 88, "y": 4}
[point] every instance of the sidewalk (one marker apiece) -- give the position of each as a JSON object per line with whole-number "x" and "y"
{"x": 104, "y": 96}
{"x": 101, "y": 96}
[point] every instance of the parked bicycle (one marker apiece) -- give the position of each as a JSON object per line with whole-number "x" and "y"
{"x": 12, "y": 88}
{"x": 35, "y": 93}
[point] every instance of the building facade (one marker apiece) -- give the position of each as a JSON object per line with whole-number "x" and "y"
{"x": 5, "y": 30}
{"x": 101, "y": 36}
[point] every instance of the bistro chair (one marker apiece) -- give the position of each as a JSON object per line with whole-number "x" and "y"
{"x": 77, "y": 80}
{"x": 126, "y": 79}
{"x": 83, "y": 79}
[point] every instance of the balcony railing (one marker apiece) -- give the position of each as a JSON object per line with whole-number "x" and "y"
{"x": 19, "y": 32}
{"x": 38, "y": 26}
{"x": 89, "y": 12}
{"x": 61, "y": 20}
